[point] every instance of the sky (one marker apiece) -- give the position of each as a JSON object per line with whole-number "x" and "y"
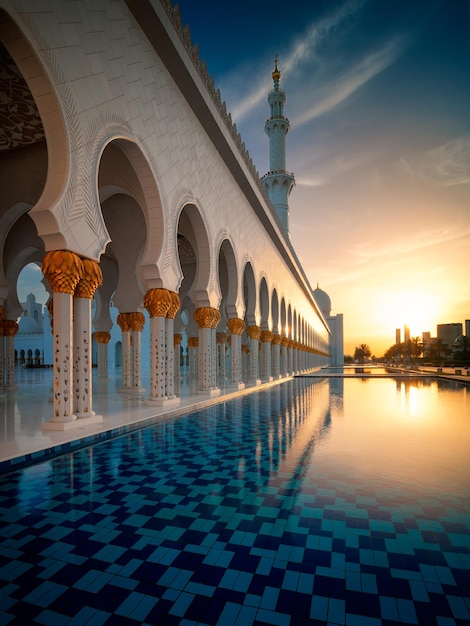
{"x": 378, "y": 99}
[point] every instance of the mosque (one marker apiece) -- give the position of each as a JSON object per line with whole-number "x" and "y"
{"x": 124, "y": 178}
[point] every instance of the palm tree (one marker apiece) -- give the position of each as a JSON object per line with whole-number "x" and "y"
{"x": 362, "y": 352}
{"x": 416, "y": 346}
{"x": 461, "y": 349}
{"x": 438, "y": 350}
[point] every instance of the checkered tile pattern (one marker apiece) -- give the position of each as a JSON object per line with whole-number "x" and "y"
{"x": 203, "y": 520}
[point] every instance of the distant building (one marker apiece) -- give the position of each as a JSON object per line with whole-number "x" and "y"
{"x": 397, "y": 337}
{"x": 33, "y": 346}
{"x": 467, "y": 328}
{"x": 335, "y": 322}
{"x": 406, "y": 334}
{"x": 449, "y": 332}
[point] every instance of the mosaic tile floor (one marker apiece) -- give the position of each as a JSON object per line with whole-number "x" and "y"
{"x": 220, "y": 517}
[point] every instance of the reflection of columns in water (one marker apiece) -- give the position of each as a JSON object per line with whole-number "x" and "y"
{"x": 102, "y": 339}
{"x": 254, "y": 333}
{"x": 84, "y": 293}
{"x": 236, "y": 327}
{"x": 265, "y": 355}
{"x": 63, "y": 271}
{"x": 207, "y": 320}
{"x": 9, "y": 330}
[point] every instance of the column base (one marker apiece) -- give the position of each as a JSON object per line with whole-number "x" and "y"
{"x": 212, "y": 393}
{"x": 72, "y": 423}
{"x": 267, "y": 379}
{"x": 134, "y": 391}
{"x": 174, "y": 401}
{"x": 237, "y": 386}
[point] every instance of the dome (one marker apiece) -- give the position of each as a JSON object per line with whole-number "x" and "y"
{"x": 323, "y": 300}
{"x": 28, "y": 324}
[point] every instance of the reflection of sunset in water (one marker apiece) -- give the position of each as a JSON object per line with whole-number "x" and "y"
{"x": 403, "y": 431}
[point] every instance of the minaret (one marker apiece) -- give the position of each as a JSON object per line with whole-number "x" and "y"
{"x": 278, "y": 181}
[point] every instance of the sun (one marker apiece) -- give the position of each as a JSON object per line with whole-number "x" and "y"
{"x": 415, "y": 308}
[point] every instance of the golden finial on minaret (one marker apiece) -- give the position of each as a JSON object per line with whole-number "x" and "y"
{"x": 276, "y": 74}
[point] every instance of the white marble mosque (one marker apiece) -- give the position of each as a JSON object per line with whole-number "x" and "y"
{"x": 125, "y": 180}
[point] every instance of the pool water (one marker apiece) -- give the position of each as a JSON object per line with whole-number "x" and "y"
{"x": 327, "y": 501}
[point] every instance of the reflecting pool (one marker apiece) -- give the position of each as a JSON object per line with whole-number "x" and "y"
{"x": 316, "y": 501}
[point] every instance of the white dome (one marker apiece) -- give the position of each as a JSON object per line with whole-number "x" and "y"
{"x": 323, "y": 300}
{"x": 28, "y": 324}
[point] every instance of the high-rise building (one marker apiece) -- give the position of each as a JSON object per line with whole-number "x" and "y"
{"x": 397, "y": 336}
{"x": 406, "y": 333}
{"x": 449, "y": 332}
{"x": 467, "y": 328}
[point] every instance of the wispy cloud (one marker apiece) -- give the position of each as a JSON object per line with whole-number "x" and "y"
{"x": 365, "y": 251}
{"x": 339, "y": 90}
{"x": 300, "y": 52}
{"x": 447, "y": 165}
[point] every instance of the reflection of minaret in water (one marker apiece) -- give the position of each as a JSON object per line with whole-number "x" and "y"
{"x": 278, "y": 181}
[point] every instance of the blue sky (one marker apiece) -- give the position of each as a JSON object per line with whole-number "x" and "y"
{"x": 378, "y": 97}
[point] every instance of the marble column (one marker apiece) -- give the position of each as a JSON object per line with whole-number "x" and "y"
{"x": 136, "y": 321}
{"x": 126, "y": 371}
{"x": 63, "y": 270}
{"x": 170, "y": 345}
{"x": 207, "y": 320}
{"x": 276, "y": 356}
{"x": 102, "y": 339}
{"x": 290, "y": 356}
{"x": 284, "y": 357}
{"x": 193, "y": 345}
{"x": 254, "y": 333}
{"x": 177, "y": 339}
{"x": 10, "y": 328}
{"x": 221, "y": 341}
{"x": 84, "y": 293}
{"x": 236, "y": 327}
{"x": 158, "y": 303}
{"x": 266, "y": 356}
{"x": 2, "y": 349}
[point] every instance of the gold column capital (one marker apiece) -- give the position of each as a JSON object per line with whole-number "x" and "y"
{"x": 136, "y": 321}
{"x": 284, "y": 342}
{"x": 277, "y": 340}
{"x": 177, "y": 339}
{"x": 157, "y": 302}
{"x": 90, "y": 281}
{"x": 221, "y": 337}
{"x": 254, "y": 332}
{"x": 123, "y": 322}
{"x": 102, "y": 336}
{"x": 245, "y": 349}
{"x": 63, "y": 270}
{"x": 193, "y": 342}
{"x": 236, "y": 326}
{"x": 175, "y": 304}
{"x": 266, "y": 336}
{"x": 10, "y": 328}
{"x": 206, "y": 317}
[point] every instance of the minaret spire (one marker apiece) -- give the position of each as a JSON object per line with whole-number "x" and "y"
{"x": 278, "y": 181}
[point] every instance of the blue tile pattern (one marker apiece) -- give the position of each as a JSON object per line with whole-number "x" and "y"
{"x": 204, "y": 520}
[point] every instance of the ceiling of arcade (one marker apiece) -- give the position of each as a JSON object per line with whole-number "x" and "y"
{"x": 20, "y": 123}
